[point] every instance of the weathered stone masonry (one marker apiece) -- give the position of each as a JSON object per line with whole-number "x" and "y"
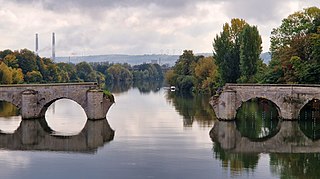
{"x": 289, "y": 99}
{"x": 34, "y": 99}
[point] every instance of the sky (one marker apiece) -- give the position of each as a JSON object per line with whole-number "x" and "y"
{"x": 135, "y": 27}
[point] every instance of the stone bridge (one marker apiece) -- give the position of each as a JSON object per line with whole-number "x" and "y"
{"x": 289, "y": 99}
{"x": 34, "y": 99}
{"x": 289, "y": 139}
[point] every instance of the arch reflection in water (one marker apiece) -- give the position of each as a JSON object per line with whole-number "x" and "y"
{"x": 309, "y": 119}
{"x": 291, "y": 153}
{"x": 257, "y": 118}
{"x": 66, "y": 117}
{"x": 289, "y": 139}
{"x": 36, "y": 135}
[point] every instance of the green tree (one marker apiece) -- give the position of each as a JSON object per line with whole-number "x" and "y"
{"x": 297, "y": 24}
{"x": 119, "y": 73}
{"x": 250, "y": 50}
{"x": 226, "y": 50}
{"x": 85, "y": 71}
{"x": 295, "y": 48}
{"x": 27, "y": 60}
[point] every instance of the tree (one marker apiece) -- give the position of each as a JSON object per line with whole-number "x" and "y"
{"x": 27, "y": 60}
{"x": 206, "y": 74}
{"x": 297, "y": 41}
{"x": 17, "y": 76}
{"x": 297, "y": 24}
{"x": 119, "y": 73}
{"x": 85, "y": 71}
{"x": 5, "y": 74}
{"x": 250, "y": 50}
{"x": 11, "y": 61}
{"x": 226, "y": 50}
{"x": 33, "y": 77}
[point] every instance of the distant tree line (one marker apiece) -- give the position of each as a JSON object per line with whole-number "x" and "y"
{"x": 24, "y": 66}
{"x": 295, "y": 56}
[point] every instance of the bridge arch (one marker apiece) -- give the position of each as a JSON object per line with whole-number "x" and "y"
{"x": 249, "y": 98}
{"x": 33, "y": 99}
{"x": 48, "y": 104}
{"x": 289, "y": 98}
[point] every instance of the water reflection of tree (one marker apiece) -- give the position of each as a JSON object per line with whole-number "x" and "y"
{"x": 236, "y": 162}
{"x": 309, "y": 119}
{"x": 295, "y": 165}
{"x": 148, "y": 86}
{"x": 119, "y": 87}
{"x": 144, "y": 86}
{"x": 7, "y": 109}
{"x": 257, "y": 118}
{"x": 193, "y": 108}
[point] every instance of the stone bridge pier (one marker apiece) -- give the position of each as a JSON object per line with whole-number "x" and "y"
{"x": 34, "y": 100}
{"x": 289, "y": 99}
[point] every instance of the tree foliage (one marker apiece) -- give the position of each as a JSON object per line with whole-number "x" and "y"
{"x": 192, "y": 72}
{"x": 236, "y": 51}
{"x": 250, "y": 50}
{"x": 295, "y": 49}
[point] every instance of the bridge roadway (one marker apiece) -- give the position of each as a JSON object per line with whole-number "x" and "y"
{"x": 288, "y": 98}
{"x": 34, "y": 99}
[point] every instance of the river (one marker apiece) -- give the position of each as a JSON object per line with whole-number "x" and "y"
{"x": 157, "y": 134}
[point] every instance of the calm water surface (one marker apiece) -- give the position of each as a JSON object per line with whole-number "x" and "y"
{"x": 157, "y": 135}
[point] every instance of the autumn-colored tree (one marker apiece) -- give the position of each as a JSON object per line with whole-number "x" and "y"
{"x": 5, "y": 74}
{"x": 33, "y": 77}
{"x": 11, "y": 61}
{"x": 297, "y": 39}
{"x": 206, "y": 74}
{"x": 17, "y": 76}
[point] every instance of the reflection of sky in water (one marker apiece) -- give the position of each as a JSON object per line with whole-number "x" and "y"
{"x": 66, "y": 116}
{"x": 9, "y": 124}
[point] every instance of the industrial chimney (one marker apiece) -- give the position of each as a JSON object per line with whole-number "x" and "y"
{"x": 53, "y": 47}
{"x": 37, "y": 45}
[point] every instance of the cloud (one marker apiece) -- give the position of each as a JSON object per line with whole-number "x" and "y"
{"x": 132, "y": 26}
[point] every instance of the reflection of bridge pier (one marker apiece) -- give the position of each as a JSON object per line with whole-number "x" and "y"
{"x": 36, "y": 135}
{"x": 289, "y": 99}
{"x": 289, "y": 139}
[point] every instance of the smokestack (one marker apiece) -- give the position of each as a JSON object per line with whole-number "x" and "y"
{"x": 53, "y": 47}
{"x": 37, "y": 45}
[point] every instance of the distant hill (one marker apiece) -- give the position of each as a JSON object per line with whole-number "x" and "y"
{"x": 170, "y": 60}
{"x": 130, "y": 59}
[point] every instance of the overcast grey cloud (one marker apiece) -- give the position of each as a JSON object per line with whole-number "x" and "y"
{"x": 95, "y": 27}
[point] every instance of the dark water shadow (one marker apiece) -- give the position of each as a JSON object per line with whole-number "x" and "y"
{"x": 257, "y": 119}
{"x": 193, "y": 108}
{"x": 309, "y": 119}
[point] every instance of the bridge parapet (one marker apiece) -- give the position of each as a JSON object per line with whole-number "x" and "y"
{"x": 289, "y": 99}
